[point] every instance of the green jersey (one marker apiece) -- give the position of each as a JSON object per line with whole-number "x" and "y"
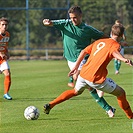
{"x": 75, "y": 38}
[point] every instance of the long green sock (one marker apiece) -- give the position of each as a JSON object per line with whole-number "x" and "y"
{"x": 100, "y": 100}
{"x": 71, "y": 79}
{"x": 119, "y": 65}
{"x": 116, "y": 65}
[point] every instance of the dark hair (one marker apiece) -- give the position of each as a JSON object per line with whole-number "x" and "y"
{"x": 4, "y": 19}
{"x": 74, "y": 9}
{"x": 118, "y": 30}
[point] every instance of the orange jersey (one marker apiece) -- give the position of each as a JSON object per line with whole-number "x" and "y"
{"x": 4, "y": 39}
{"x": 100, "y": 52}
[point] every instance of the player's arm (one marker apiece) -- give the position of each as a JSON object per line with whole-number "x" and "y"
{"x": 47, "y": 22}
{"x": 1, "y": 55}
{"x": 117, "y": 55}
{"x": 80, "y": 58}
{"x": 7, "y": 55}
{"x": 4, "y": 56}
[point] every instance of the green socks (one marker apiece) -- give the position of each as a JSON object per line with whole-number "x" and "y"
{"x": 117, "y": 65}
{"x": 100, "y": 100}
{"x": 71, "y": 79}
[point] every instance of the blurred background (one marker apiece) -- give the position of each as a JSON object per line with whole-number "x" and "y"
{"x": 30, "y": 39}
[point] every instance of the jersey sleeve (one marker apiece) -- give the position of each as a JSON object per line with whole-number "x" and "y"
{"x": 96, "y": 34}
{"x": 115, "y": 47}
{"x": 59, "y": 24}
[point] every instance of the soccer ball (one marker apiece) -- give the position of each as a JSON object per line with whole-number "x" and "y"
{"x": 31, "y": 113}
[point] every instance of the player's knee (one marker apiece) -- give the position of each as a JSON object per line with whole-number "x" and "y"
{"x": 119, "y": 91}
{"x": 6, "y": 72}
{"x": 122, "y": 92}
{"x": 78, "y": 92}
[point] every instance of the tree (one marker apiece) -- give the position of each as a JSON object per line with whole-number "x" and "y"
{"x": 98, "y": 13}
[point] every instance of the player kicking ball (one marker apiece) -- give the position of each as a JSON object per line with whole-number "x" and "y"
{"x": 94, "y": 72}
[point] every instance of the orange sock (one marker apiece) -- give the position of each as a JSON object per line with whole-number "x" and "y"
{"x": 7, "y": 84}
{"x": 123, "y": 103}
{"x": 64, "y": 96}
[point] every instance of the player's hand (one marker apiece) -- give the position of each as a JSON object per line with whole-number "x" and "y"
{"x": 72, "y": 72}
{"x": 129, "y": 62}
{"x": 46, "y": 22}
{"x": 3, "y": 56}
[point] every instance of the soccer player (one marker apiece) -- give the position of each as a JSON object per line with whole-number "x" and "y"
{"x": 76, "y": 36}
{"x": 4, "y": 56}
{"x": 94, "y": 71}
{"x": 117, "y": 63}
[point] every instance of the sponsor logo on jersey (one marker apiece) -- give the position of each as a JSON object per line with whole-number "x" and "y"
{"x": 5, "y": 39}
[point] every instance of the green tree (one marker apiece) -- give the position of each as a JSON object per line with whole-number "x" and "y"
{"x": 98, "y": 13}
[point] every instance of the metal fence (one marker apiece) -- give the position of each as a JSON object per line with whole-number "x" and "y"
{"x": 47, "y": 53}
{"x": 27, "y": 51}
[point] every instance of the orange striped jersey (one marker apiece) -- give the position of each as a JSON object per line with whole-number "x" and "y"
{"x": 4, "y": 39}
{"x": 100, "y": 52}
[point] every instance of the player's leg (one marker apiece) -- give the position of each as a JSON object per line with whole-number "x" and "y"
{"x": 74, "y": 92}
{"x": 102, "y": 102}
{"x": 71, "y": 80}
{"x": 100, "y": 93}
{"x": 7, "y": 79}
{"x": 7, "y": 84}
{"x": 78, "y": 90}
{"x": 119, "y": 64}
{"x": 122, "y": 101}
{"x": 109, "y": 86}
{"x": 65, "y": 96}
{"x": 61, "y": 98}
{"x": 116, "y": 66}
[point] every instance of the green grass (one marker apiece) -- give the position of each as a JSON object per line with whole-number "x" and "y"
{"x": 38, "y": 82}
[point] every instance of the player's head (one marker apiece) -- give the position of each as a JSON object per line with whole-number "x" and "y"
{"x": 118, "y": 30}
{"x": 75, "y": 15}
{"x": 3, "y": 24}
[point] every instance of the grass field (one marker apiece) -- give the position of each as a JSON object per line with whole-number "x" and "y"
{"x": 38, "y": 82}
